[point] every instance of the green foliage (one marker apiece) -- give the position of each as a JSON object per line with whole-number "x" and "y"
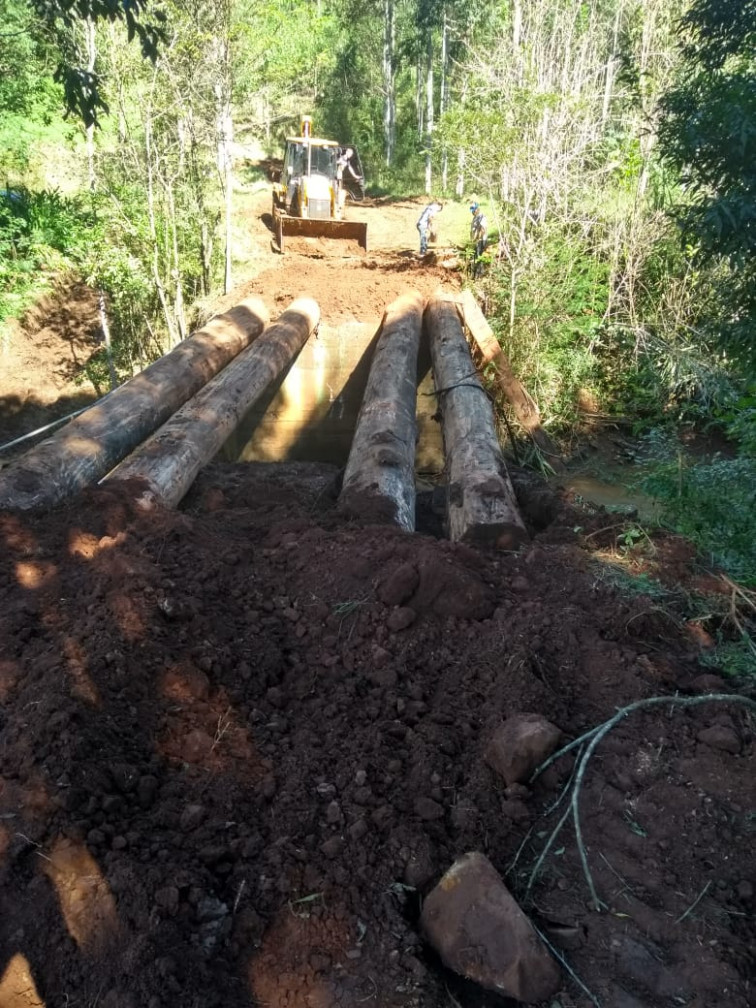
{"x": 559, "y": 293}
{"x": 739, "y": 421}
{"x": 81, "y": 86}
{"x": 41, "y": 233}
{"x": 732, "y": 658}
{"x": 712, "y": 505}
{"x": 707, "y": 132}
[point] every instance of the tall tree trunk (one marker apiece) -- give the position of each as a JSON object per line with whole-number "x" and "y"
{"x": 152, "y": 217}
{"x": 91, "y": 42}
{"x": 443, "y": 100}
{"x": 389, "y": 102}
{"x": 429, "y": 115}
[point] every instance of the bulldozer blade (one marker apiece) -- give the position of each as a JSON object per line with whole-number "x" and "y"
{"x": 306, "y": 227}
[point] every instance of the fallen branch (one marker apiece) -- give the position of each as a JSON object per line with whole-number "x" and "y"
{"x": 593, "y": 737}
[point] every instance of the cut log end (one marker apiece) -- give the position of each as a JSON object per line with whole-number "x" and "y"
{"x": 370, "y": 505}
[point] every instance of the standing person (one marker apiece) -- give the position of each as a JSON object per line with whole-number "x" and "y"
{"x": 424, "y": 223}
{"x": 344, "y": 167}
{"x": 478, "y": 231}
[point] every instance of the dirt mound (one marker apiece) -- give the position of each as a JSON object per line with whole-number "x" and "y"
{"x": 42, "y": 360}
{"x": 241, "y": 742}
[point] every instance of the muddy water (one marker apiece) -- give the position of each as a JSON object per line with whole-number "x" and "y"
{"x": 615, "y": 491}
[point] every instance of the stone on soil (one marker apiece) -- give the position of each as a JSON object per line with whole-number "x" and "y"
{"x": 520, "y": 745}
{"x": 479, "y": 931}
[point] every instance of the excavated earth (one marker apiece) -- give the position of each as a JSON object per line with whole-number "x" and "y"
{"x": 240, "y": 742}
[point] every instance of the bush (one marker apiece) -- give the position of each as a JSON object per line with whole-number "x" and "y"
{"x": 712, "y": 505}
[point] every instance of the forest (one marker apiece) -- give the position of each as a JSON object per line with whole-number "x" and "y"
{"x": 612, "y": 144}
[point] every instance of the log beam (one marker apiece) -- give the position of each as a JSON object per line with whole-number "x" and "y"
{"x": 170, "y": 460}
{"x": 88, "y": 447}
{"x": 481, "y": 505}
{"x": 379, "y": 480}
{"x": 524, "y": 406}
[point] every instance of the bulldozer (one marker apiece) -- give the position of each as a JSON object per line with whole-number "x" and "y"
{"x": 309, "y": 198}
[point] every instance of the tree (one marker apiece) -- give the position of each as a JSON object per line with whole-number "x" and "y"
{"x": 707, "y": 127}
{"x": 707, "y": 132}
{"x": 81, "y": 84}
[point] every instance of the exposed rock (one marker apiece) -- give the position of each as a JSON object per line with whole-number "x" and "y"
{"x": 479, "y": 931}
{"x": 520, "y": 745}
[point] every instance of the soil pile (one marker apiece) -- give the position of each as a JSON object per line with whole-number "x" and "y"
{"x": 241, "y": 742}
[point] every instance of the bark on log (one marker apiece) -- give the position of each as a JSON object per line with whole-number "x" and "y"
{"x": 88, "y": 447}
{"x": 525, "y": 408}
{"x": 170, "y": 460}
{"x": 481, "y": 505}
{"x": 379, "y": 480}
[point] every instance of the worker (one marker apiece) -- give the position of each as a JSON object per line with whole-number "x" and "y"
{"x": 425, "y": 223}
{"x": 344, "y": 167}
{"x": 478, "y": 229}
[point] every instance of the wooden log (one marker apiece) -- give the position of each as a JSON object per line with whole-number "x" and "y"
{"x": 524, "y": 406}
{"x": 481, "y": 505}
{"x": 170, "y": 460}
{"x": 89, "y": 446}
{"x": 379, "y": 480}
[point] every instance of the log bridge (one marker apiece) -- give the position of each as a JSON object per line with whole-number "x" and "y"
{"x": 230, "y": 391}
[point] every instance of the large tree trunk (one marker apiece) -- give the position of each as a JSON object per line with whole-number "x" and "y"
{"x": 88, "y": 447}
{"x": 379, "y": 481}
{"x": 170, "y": 460}
{"x": 524, "y": 406}
{"x": 481, "y": 505}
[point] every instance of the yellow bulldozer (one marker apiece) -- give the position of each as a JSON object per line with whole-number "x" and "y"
{"x": 309, "y": 198}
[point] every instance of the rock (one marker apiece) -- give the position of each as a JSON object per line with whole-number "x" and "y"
{"x": 358, "y": 829}
{"x": 745, "y": 890}
{"x": 124, "y": 776}
{"x": 419, "y": 870}
{"x": 399, "y": 586}
{"x": 400, "y": 619}
{"x": 720, "y": 737}
{"x": 209, "y": 908}
{"x": 191, "y": 817}
{"x": 479, "y": 931}
{"x": 146, "y": 790}
{"x": 384, "y": 677}
{"x": 332, "y": 847}
{"x": 520, "y": 745}
{"x": 428, "y": 809}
